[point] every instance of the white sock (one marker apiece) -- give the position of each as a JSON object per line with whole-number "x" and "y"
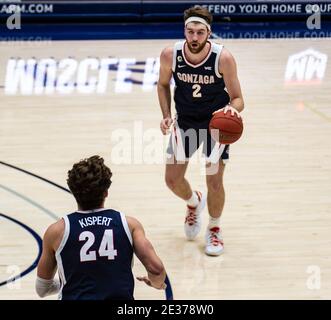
{"x": 193, "y": 201}
{"x": 214, "y": 222}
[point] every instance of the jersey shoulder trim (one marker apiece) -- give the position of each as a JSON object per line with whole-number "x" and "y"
{"x": 217, "y": 48}
{"x": 177, "y": 47}
{"x": 126, "y": 227}
{"x": 58, "y": 254}
{"x": 65, "y": 235}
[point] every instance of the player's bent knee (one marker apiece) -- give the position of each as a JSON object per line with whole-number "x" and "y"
{"x": 172, "y": 181}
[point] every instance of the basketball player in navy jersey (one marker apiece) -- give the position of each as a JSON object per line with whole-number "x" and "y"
{"x": 206, "y": 82}
{"x": 93, "y": 247}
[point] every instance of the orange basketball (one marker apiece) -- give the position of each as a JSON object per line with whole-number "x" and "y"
{"x": 225, "y": 128}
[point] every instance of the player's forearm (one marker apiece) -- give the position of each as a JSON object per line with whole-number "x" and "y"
{"x": 155, "y": 270}
{"x": 164, "y": 100}
{"x": 237, "y": 103}
{"x": 157, "y": 279}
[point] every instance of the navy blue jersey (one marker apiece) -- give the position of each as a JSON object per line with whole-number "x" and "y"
{"x": 200, "y": 89}
{"x": 95, "y": 256}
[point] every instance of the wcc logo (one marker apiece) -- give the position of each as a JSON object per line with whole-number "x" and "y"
{"x": 306, "y": 67}
{"x": 85, "y": 76}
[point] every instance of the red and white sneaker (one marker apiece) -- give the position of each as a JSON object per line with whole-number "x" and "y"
{"x": 192, "y": 224}
{"x": 214, "y": 242}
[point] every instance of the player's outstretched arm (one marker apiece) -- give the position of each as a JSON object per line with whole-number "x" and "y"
{"x": 146, "y": 254}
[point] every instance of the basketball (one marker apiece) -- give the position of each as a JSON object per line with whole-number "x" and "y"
{"x": 225, "y": 128}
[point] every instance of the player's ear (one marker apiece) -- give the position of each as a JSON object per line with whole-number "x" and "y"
{"x": 105, "y": 194}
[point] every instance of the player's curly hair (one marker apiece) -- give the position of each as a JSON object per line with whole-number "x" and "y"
{"x": 89, "y": 180}
{"x": 198, "y": 11}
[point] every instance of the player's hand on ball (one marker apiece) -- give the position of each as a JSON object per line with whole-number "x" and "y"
{"x": 227, "y": 108}
{"x": 149, "y": 283}
{"x": 165, "y": 125}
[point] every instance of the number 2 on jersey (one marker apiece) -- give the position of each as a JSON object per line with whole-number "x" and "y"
{"x": 106, "y": 248}
{"x": 196, "y": 91}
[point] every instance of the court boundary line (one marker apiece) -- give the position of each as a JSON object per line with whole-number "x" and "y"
{"x": 313, "y": 109}
{"x": 35, "y": 262}
{"x": 29, "y": 200}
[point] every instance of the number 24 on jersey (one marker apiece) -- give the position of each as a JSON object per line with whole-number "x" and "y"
{"x": 106, "y": 248}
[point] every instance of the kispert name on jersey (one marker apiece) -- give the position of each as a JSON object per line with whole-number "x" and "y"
{"x": 91, "y": 221}
{"x": 95, "y": 256}
{"x": 200, "y": 88}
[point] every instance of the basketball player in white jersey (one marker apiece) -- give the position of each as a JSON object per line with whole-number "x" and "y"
{"x": 93, "y": 247}
{"x": 206, "y": 82}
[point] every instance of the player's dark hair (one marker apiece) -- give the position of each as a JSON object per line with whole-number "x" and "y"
{"x": 198, "y": 11}
{"x": 88, "y": 180}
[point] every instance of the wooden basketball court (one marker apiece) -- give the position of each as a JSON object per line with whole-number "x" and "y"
{"x": 277, "y": 217}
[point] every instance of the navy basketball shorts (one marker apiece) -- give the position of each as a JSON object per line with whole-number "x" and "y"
{"x": 184, "y": 142}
